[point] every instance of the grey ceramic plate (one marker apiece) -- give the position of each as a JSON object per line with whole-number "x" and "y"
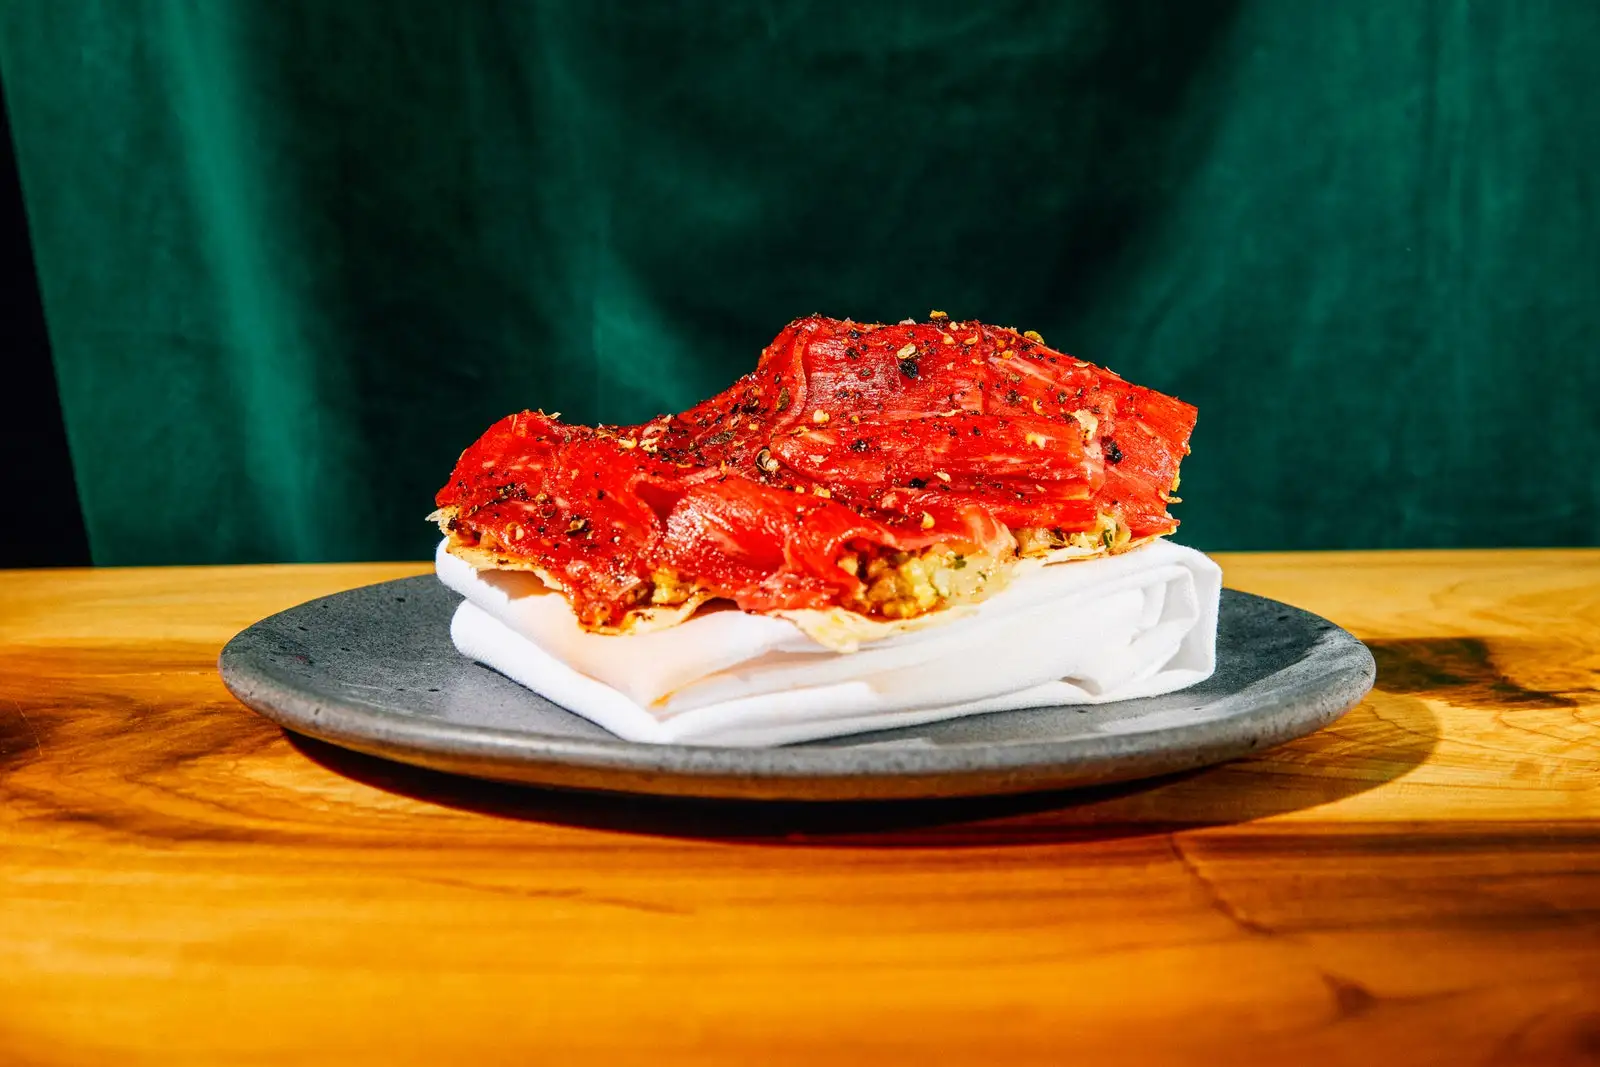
{"x": 373, "y": 669}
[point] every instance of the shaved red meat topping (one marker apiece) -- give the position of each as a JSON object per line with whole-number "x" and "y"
{"x": 846, "y": 438}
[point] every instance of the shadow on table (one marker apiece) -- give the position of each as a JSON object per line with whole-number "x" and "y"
{"x": 1384, "y": 738}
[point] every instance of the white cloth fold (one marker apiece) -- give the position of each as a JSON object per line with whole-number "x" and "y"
{"x": 1085, "y": 632}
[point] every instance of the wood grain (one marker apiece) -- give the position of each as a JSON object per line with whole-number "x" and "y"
{"x": 180, "y": 883}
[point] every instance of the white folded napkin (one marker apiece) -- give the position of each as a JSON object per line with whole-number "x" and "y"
{"x": 1085, "y": 632}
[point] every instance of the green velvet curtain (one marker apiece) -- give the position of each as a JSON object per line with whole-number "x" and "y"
{"x": 296, "y": 254}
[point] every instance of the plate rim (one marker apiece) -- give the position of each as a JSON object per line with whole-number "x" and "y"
{"x": 801, "y": 771}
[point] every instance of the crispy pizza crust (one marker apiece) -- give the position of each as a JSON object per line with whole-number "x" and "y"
{"x": 924, "y": 576}
{"x": 640, "y": 620}
{"x": 843, "y": 630}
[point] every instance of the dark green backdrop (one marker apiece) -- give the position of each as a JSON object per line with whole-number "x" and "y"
{"x": 295, "y": 254}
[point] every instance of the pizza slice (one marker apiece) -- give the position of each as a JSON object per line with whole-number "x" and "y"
{"x": 863, "y": 479}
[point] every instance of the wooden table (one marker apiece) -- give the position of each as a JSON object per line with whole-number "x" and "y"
{"x": 181, "y": 883}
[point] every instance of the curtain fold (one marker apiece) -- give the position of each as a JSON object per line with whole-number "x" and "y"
{"x": 294, "y": 256}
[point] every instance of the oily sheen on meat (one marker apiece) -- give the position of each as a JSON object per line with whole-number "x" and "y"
{"x": 884, "y": 470}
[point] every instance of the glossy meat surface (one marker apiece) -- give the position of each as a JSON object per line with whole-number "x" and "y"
{"x": 848, "y": 441}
